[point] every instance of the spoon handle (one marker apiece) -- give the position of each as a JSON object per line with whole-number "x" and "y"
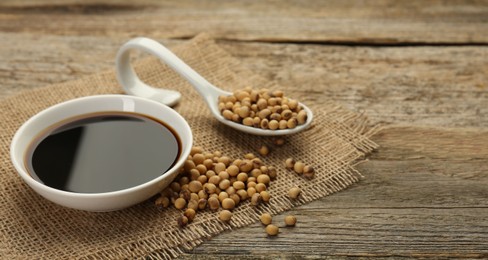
{"x": 133, "y": 85}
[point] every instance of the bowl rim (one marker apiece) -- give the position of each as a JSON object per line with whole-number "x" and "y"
{"x": 36, "y": 184}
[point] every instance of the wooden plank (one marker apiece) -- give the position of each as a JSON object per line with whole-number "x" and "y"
{"x": 416, "y": 85}
{"x": 424, "y": 192}
{"x": 350, "y": 22}
{"x": 402, "y": 208}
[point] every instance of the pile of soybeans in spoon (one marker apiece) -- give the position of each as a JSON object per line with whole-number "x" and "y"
{"x": 264, "y": 108}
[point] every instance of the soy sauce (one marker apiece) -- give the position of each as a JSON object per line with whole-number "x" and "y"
{"x": 103, "y": 152}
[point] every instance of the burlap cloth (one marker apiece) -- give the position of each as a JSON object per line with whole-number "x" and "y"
{"x": 32, "y": 227}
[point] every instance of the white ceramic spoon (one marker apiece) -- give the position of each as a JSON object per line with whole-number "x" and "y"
{"x": 134, "y": 86}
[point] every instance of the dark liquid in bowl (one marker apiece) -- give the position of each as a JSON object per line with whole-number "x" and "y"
{"x": 103, "y": 152}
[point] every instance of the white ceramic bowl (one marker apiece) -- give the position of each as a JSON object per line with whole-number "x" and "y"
{"x": 107, "y": 201}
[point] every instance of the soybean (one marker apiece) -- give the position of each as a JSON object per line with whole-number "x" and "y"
{"x": 228, "y": 203}
{"x": 225, "y": 215}
{"x": 182, "y": 221}
{"x": 266, "y": 219}
{"x": 265, "y": 196}
{"x": 294, "y": 192}
{"x": 180, "y": 203}
{"x": 256, "y": 199}
{"x": 289, "y": 163}
{"x": 190, "y": 214}
{"x": 298, "y": 167}
{"x": 195, "y": 186}
{"x": 308, "y": 172}
{"x": 272, "y": 230}
{"x": 213, "y": 203}
{"x": 290, "y": 221}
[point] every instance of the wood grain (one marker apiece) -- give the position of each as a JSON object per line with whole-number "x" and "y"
{"x": 416, "y": 85}
{"x": 420, "y": 69}
{"x": 346, "y": 22}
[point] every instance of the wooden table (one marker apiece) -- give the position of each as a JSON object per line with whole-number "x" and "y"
{"x": 419, "y": 67}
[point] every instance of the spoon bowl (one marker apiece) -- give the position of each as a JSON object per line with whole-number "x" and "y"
{"x": 210, "y": 93}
